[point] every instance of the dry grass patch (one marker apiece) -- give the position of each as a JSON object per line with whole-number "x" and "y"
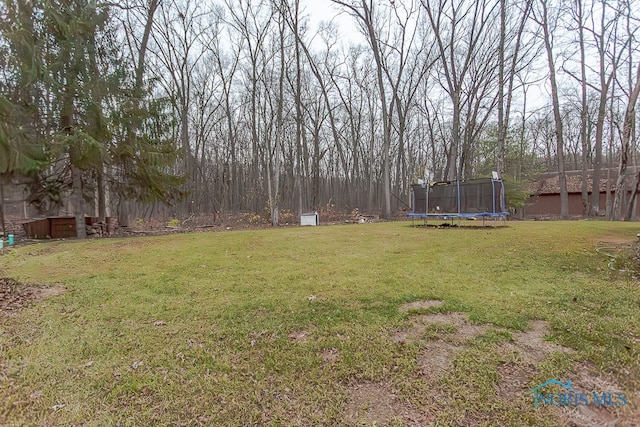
{"x": 329, "y": 355}
{"x": 299, "y": 337}
{"x": 456, "y": 326}
{"x": 531, "y": 344}
{"x": 587, "y": 378}
{"x": 437, "y": 358}
{"x": 523, "y": 354}
{"x": 419, "y": 305}
{"x": 376, "y": 404}
{"x": 514, "y": 379}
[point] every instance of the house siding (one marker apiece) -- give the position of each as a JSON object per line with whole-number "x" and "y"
{"x": 544, "y": 205}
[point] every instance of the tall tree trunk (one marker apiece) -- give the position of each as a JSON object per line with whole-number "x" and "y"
{"x": 605, "y": 83}
{"x": 78, "y": 202}
{"x": 515, "y": 60}
{"x": 366, "y": 16}
{"x": 502, "y": 131}
{"x": 67, "y": 127}
{"x": 452, "y": 159}
{"x": 629, "y": 123}
{"x": 386, "y": 125}
{"x": 298, "y": 101}
{"x": 583, "y": 112}
{"x": 275, "y": 195}
{"x": 102, "y": 205}
{"x": 332, "y": 119}
{"x": 597, "y": 161}
{"x": 316, "y": 166}
{"x": 2, "y": 219}
{"x": 611, "y": 138}
{"x": 94, "y": 123}
{"x": 562, "y": 177}
{"x": 631, "y": 205}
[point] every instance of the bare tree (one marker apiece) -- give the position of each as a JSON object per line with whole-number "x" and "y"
{"x": 226, "y": 63}
{"x": 468, "y": 45}
{"x": 179, "y": 46}
{"x": 604, "y": 38}
{"x": 365, "y": 12}
{"x": 548, "y": 23}
{"x": 273, "y": 168}
{"x": 627, "y": 140}
{"x": 407, "y": 64}
{"x": 628, "y": 134}
{"x": 252, "y": 20}
{"x": 518, "y": 55}
{"x": 579, "y": 18}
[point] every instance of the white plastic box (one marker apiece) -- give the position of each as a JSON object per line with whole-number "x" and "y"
{"x": 310, "y": 218}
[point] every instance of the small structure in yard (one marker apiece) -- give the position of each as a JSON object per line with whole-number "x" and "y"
{"x": 52, "y": 227}
{"x": 544, "y": 201}
{"x": 309, "y": 218}
{"x": 62, "y": 227}
{"x": 478, "y": 198}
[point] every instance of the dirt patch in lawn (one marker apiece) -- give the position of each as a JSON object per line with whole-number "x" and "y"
{"x": 436, "y": 358}
{"x": 514, "y": 379}
{"x": 298, "y": 337}
{"x": 443, "y": 335}
{"x": 329, "y": 356}
{"x": 586, "y": 379}
{"x": 531, "y": 345}
{"x": 454, "y": 327}
{"x": 524, "y": 352}
{"x": 419, "y": 305}
{"x": 376, "y": 404}
{"x": 15, "y": 295}
{"x": 529, "y": 348}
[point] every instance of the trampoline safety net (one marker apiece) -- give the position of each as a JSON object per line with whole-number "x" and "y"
{"x": 480, "y": 196}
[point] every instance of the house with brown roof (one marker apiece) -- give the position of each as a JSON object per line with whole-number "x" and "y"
{"x": 545, "y": 192}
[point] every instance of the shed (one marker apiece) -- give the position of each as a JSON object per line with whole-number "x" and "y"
{"x": 55, "y": 227}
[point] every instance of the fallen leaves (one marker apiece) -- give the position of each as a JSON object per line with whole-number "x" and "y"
{"x": 15, "y": 295}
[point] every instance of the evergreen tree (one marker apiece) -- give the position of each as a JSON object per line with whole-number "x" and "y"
{"x": 80, "y": 109}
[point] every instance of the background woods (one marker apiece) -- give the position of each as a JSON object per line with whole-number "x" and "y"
{"x": 130, "y": 108}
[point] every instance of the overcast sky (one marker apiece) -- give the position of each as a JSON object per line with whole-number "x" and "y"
{"x": 326, "y": 10}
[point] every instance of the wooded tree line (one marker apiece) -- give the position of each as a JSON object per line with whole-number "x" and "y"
{"x": 254, "y": 106}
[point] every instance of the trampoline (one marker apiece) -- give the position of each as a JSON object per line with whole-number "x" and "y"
{"x": 456, "y": 200}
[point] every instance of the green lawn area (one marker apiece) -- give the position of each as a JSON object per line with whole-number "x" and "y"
{"x": 294, "y": 326}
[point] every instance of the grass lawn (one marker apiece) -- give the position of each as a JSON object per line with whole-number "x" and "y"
{"x": 300, "y": 326}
